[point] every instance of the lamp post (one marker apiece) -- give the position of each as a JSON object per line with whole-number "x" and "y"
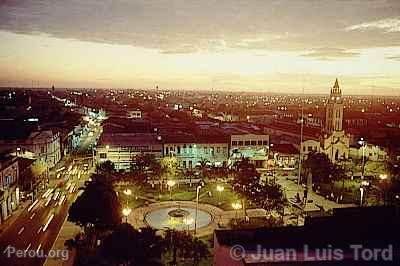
{"x": 383, "y": 177}
{"x": 188, "y": 221}
{"x": 170, "y": 184}
{"x": 236, "y": 206}
{"x": 362, "y": 142}
{"x": 197, "y": 206}
{"x": 126, "y": 211}
{"x": 362, "y": 191}
{"x": 127, "y": 192}
{"x": 220, "y": 188}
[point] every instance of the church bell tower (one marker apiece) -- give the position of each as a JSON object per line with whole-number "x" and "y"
{"x": 334, "y": 110}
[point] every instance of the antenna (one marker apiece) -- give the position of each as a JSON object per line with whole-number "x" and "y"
{"x": 301, "y": 134}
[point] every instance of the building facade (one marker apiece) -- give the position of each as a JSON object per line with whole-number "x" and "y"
{"x": 43, "y": 145}
{"x": 191, "y": 151}
{"x": 9, "y": 191}
{"x": 121, "y": 148}
{"x": 252, "y": 146}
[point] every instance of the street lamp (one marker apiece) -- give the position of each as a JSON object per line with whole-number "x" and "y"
{"x": 188, "y": 221}
{"x": 220, "y": 189}
{"x": 364, "y": 184}
{"x": 126, "y": 211}
{"x": 236, "y": 206}
{"x": 197, "y": 207}
{"x": 362, "y": 142}
{"x": 128, "y": 192}
{"x": 170, "y": 184}
{"x": 383, "y": 176}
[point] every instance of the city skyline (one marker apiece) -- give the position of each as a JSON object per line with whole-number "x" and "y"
{"x": 251, "y": 46}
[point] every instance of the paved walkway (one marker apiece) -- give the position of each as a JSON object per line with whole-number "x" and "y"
{"x": 68, "y": 230}
{"x": 291, "y": 188}
{"x": 14, "y": 216}
{"x": 218, "y": 216}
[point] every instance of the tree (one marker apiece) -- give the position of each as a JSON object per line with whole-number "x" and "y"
{"x": 98, "y": 206}
{"x": 184, "y": 245}
{"x": 322, "y": 169}
{"x": 247, "y": 183}
{"x": 106, "y": 167}
{"x": 127, "y": 246}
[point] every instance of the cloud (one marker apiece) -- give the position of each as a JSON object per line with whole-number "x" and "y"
{"x": 189, "y": 26}
{"x": 393, "y": 57}
{"x": 387, "y": 24}
{"x": 185, "y": 49}
{"x": 330, "y": 53}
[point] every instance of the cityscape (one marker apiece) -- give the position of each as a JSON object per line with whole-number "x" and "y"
{"x": 200, "y": 133}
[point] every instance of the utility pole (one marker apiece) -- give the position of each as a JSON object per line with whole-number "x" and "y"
{"x": 301, "y": 137}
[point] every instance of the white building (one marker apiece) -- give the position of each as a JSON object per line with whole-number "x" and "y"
{"x": 369, "y": 151}
{"x": 191, "y": 150}
{"x": 9, "y": 191}
{"x": 121, "y": 148}
{"x": 43, "y": 145}
{"x": 335, "y": 143}
{"x": 252, "y": 146}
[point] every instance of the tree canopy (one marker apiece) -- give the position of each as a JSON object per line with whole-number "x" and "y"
{"x": 97, "y": 206}
{"x": 128, "y": 246}
{"x": 247, "y": 183}
{"x": 321, "y": 168}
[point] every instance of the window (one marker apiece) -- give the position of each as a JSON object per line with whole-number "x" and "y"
{"x": 304, "y": 149}
{"x": 310, "y": 148}
{"x": 184, "y": 164}
{"x": 166, "y": 150}
{"x": 234, "y": 143}
{"x": 247, "y": 143}
{"x": 265, "y": 142}
{"x": 41, "y": 149}
{"x": 218, "y": 150}
{"x": 179, "y": 149}
{"x": 240, "y": 143}
{"x": 103, "y": 155}
{"x": 260, "y": 143}
{"x": 253, "y": 143}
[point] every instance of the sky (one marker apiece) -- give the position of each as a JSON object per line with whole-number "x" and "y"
{"x": 241, "y": 45}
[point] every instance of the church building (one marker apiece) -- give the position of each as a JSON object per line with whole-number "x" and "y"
{"x": 334, "y": 142}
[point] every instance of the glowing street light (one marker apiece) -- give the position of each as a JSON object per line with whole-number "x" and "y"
{"x": 197, "y": 207}
{"x": 383, "y": 176}
{"x": 126, "y": 211}
{"x": 128, "y": 192}
{"x": 220, "y": 189}
{"x": 188, "y": 221}
{"x": 236, "y": 206}
{"x": 364, "y": 184}
{"x": 170, "y": 184}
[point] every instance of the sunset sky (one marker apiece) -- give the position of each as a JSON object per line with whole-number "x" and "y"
{"x": 271, "y": 46}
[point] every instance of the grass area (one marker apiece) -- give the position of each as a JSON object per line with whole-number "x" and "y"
{"x": 185, "y": 192}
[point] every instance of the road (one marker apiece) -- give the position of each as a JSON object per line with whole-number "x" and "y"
{"x": 29, "y": 232}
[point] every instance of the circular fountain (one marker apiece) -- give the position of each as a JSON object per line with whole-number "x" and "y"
{"x": 178, "y": 218}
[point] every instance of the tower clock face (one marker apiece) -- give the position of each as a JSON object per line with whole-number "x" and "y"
{"x": 337, "y": 98}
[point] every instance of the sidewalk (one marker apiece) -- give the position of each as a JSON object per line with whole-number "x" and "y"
{"x": 68, "y": 230}
{"x": 14, "y": 216}
{"x": 291, "y": 188}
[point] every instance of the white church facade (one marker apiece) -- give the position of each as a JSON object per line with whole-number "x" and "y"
{"x": 334, "y": 142}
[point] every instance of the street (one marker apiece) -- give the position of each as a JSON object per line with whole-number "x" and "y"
{"x": 29, "y": 231}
